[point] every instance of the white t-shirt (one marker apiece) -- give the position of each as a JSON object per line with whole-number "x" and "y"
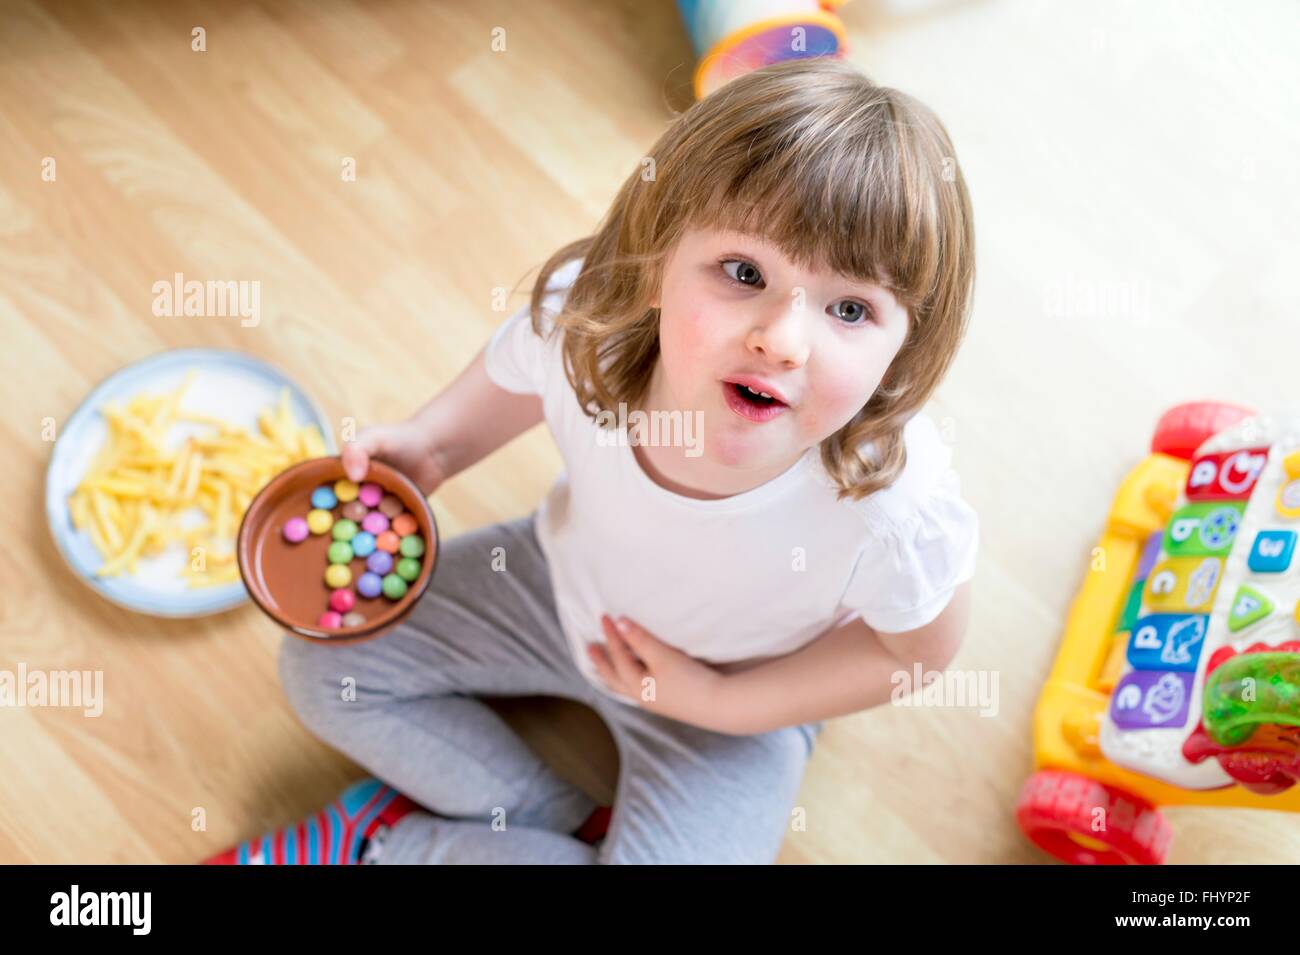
{"x": 757, "y": 574}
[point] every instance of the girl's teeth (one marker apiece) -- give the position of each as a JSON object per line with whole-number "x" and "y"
{"x": 763, "y": 393}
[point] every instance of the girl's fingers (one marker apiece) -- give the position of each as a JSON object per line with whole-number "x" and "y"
{"x": 640, "y": 643}
{"x": 357, "y": 454}
{"x": 628, "y": 667}
{"x": 600, "y": 660}
{"x": 356, "y": 461}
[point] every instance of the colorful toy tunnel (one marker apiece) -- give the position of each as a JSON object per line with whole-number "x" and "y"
{"x": 733, "y": 37}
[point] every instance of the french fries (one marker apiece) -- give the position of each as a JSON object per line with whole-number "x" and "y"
{"x": 133, "y": 498}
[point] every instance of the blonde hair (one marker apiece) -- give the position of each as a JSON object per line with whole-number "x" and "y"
{"x": 832, "y": 169}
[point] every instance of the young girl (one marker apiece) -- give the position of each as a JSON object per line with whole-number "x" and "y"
{"x": 756, "y": 530}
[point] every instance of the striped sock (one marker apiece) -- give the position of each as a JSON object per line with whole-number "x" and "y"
{"x": 349, "y": 831}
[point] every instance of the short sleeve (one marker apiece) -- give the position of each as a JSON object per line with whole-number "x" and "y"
{"x": 921, "y": 544}
{"x": 517, "y": 358}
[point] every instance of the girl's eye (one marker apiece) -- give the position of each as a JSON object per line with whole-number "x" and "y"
{"x": 855, "y": 313}
{"x": 746, "y": 273}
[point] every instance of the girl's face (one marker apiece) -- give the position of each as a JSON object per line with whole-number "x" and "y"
{"x": 735, "y": 312}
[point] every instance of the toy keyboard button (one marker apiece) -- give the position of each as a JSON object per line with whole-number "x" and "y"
{"x": 1288, "y": 500}
{"x": 1168, "y": 641}
{"x": 1228, "y": 475}
{"x": 1206, "y": 529}
{"x": 1271, "y": 553}
{"x": 1151, "y": 699}
{"x": 1183, "y": 585}
{"x": 1248, "y": 606}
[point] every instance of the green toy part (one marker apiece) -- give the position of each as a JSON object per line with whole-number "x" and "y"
{"x": 1249, "y": 690}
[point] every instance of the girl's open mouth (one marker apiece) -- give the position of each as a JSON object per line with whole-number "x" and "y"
{"x": 751, "y": 404}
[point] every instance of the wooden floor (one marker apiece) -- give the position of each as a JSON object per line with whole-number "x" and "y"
{"x": 1134, "y": 178}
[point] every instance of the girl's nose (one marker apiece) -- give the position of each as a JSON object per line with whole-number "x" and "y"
{"x": 781, "y": 336}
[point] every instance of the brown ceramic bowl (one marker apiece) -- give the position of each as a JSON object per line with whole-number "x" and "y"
{"x": 288, "y": 580}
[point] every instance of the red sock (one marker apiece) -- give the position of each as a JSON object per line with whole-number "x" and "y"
{"x": 596, "y": 825}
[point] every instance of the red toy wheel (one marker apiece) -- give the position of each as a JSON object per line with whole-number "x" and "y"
{"x": 1184, "y": 428}
{"x": 1058, "y": 811}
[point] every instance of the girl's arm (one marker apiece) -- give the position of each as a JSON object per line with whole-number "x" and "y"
{"x": 462, "y": 424}
{"x": 843, "y": 671}
{"x": 473, "y": 416}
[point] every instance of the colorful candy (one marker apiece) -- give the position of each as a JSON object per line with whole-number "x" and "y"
{"x": 394, "y": 587}
{"x": 319, "y": 521}
{"x": 338, "y": 575}
{"x": 363, "y": 522}
{"x": 324, "y": 498}
{"x": 296, "y": 530}
{"x": 363, "y": 545}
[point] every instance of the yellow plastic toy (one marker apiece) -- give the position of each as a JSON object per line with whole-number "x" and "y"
{"x": 1178, "y": 678}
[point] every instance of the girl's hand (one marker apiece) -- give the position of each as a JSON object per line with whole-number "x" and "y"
{"x": 659, "y": 677}
{"x": 403, "y": 446}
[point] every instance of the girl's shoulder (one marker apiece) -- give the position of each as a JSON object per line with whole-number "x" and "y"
{"x": 558, "y": 286}
{"x": 920, "y": 538}
{"x": 565, "y": 275}
{"x": 524, "y": 356}
{"x": 923, "y": 511}
{"x": 927, "y": 490}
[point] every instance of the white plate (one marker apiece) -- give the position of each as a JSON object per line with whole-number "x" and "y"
{"x": 228, "y": 384}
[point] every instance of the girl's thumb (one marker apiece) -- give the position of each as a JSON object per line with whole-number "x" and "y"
{"x": 356, "y": 457}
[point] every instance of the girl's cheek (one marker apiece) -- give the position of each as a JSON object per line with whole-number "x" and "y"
{"x": 686, "y": 336}
{"x": 839, "y": 396}
{"x": 846, "y": 392}
{"x": 695, "y": 329}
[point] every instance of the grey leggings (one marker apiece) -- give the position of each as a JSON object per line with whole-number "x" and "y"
{"x": 403, "y": 706}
